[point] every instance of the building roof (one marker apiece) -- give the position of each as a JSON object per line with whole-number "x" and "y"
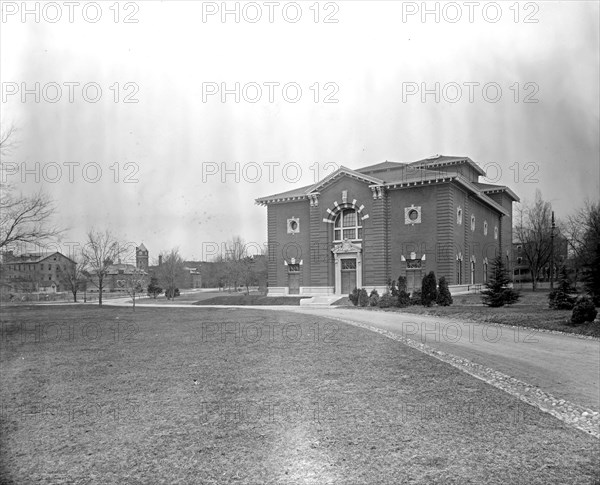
{"x": 300, "y": 192}
{"x": 445, "y": 160}
{"x": 30, "y": 258}
{"x": 410, "y": 174}
{"x": 396, "y": 175}
{"x": 383, "y": 166}
{"x": 489, "y": 188}
{"x": 142, "y": 247}
{"x": 348, "y": 172}
{"x": 303, "y": 192}
{"x": 115, "y": 269}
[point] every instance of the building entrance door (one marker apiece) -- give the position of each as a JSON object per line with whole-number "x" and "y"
{"x": 348, "y": 275}
{"x": 294, "y": 284}
{"x": 413, "y": 280}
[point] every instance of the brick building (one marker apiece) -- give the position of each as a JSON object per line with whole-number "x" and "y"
{"x": 360, "y": 228}
{"x": 188, "y": 278}
{"x": 118, "y": 274}
{"x": 192, "y": 277}
{"x": 34, "y": 272}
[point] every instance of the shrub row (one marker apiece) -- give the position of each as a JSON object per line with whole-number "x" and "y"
{"x": 397, "y": 296}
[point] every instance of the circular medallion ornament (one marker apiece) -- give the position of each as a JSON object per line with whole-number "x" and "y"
{"x": 412, "y": 215}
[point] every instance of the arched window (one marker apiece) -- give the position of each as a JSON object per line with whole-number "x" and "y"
{"x": 485, "y": 271}
{"x": 472, "y": 272}
{"x": 348, "y": 225}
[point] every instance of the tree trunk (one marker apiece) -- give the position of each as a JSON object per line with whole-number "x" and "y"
{"x": 100, "y": 288}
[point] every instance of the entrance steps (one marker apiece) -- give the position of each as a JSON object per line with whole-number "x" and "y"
{"x": 320, "y": 301}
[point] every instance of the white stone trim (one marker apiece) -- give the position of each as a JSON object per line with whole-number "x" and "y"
{"x": 346, "y": 250}
{"x": 316, "y": 290}
{"x": 291, "y": 230}
{"x": 408, "y": 210}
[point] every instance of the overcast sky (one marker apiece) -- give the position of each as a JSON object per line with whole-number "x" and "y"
{"x": 535, "y": 125}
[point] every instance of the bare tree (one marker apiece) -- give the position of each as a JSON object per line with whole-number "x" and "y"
{"x": 241, "y": 265}
{"x": 23, "y": 219}
{"x": 134, "y": 283}
{"x": 170, "y": 272}
{"x": 235, "y": 266}
{"x": 26, "y": 219}
{"x": 577, "y": 225}
{"x": 100, "y": 252}
{"x": 7, "y": 139}
{"x": 74, "y": 276}
{"x": 583, "y": 234}
{"x": 533, "y": 232}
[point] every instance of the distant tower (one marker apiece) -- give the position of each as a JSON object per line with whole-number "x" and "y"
{"x": 141, "y": 258}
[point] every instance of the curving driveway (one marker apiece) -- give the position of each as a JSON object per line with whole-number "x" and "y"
{"x": 563, "y": 365}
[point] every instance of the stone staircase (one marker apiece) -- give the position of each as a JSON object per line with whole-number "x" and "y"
{"x": 319, "y": 301}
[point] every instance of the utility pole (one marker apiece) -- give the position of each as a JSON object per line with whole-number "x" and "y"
{"x": 552, "y": 253}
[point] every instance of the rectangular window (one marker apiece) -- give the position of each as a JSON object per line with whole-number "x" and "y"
{"x": 337, "y": 235}
{"x": 42, "y": 267}
{"x": 349, "y": 234}
{"x": 294, "y": 268}
{"x": 348, "y": 264}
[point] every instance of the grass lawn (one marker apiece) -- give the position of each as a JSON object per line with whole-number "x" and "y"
{"x": 530, "y": 311}
{"x": 243, "y": 299}
{"x": 191, "y": 395}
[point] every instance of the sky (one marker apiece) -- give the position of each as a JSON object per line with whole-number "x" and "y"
{"x": 163, "y": 121}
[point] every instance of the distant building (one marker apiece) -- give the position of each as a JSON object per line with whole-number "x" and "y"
{"x": 34, "y": 272}
{"x": 115, "y": 278}
{"x": 192, "y": 277}
{"x": 142, "y": 258}
{"x": 520, "y": 266}
{"x": 116, "y": 275}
